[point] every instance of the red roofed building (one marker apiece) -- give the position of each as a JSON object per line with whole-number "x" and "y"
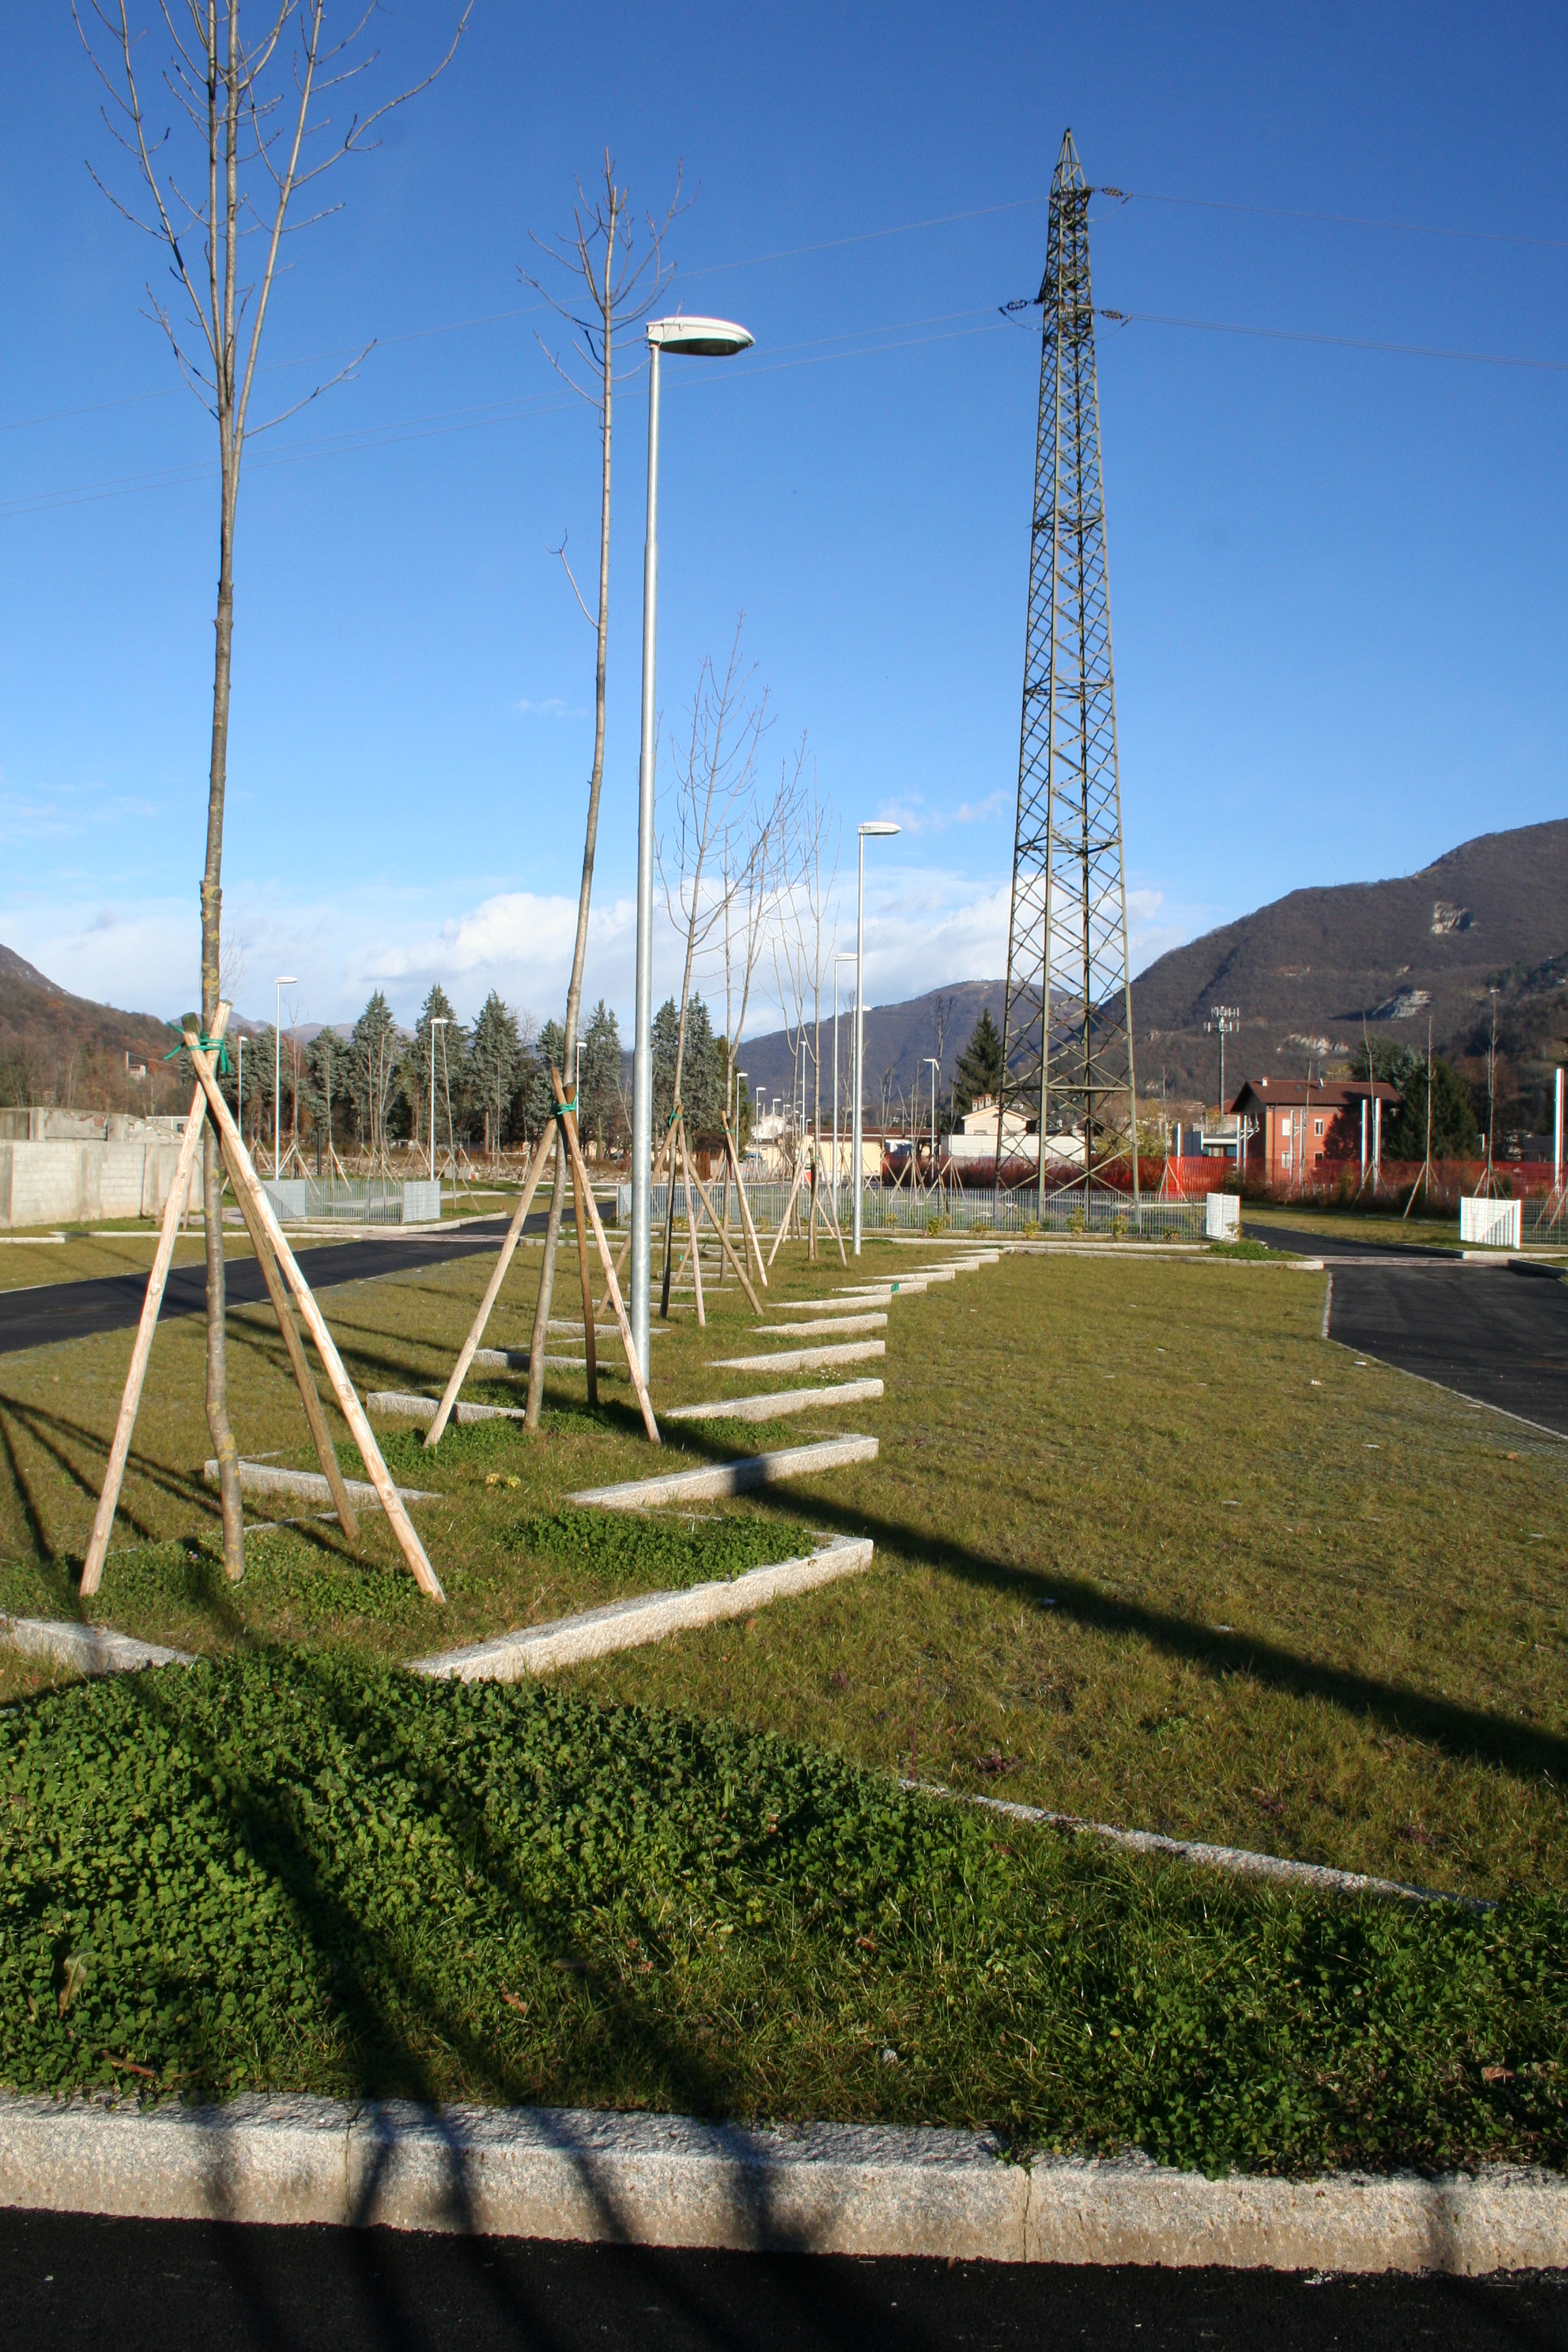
{"x": 1301, "y": 1127}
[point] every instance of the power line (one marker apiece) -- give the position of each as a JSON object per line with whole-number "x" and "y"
{"x": 1330, "y": 220}
{"x": 1336, "y": 342}
{"x": 422, "y": 428}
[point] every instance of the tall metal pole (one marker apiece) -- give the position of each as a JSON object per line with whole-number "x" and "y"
{"x": 642, "y": 1051}
{"x": 855, "y": 1145}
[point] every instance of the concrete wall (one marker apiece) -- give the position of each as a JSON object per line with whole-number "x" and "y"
{"x": 49, "y": 1125}
{"x": 79, "y": 1183}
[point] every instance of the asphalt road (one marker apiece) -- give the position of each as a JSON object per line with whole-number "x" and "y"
{"x": 76, "y": 1310}
{"x": 1493, "y": 1335}
{"x": 1334, "y": 1248}
{"x": 159, "y": 2286}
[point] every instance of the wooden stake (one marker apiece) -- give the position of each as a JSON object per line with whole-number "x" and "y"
{"x": 789, "y": 1211}
{"x": 832, "y": 1224}
{"x": 326, "y": 1453}
{"x": 120, "y": 1449}
{"x": 245, "y": 1180}
{"x": 568, "y": 1126}
{"x": 588, "y": 1349}
{"x": 625, "y": 1248}
{"x": 745, "y": 1211}
{"x": 725, "y": 1242}
{"x": 691, "y": 1226}
{"x": 477, "y": 1330}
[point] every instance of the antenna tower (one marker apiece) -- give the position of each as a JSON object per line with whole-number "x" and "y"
{"x": 1066, "y": 1034}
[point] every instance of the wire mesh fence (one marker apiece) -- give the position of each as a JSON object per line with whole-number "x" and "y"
{"x": 887, "y": 1209}
{"x": 334, "y": 1200}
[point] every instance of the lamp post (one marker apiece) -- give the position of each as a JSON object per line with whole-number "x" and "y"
{"x": 879, "y": 830}
{"x": 1226, "y": 1019}
{"x": 437, "y": 1021}
{"x": 285, "y": 980}
{"x": 934, "y": 1066}
{"x": 698, "y": 339}
{"x": 239, "y": 1081}
{"x": 844, "y": 955}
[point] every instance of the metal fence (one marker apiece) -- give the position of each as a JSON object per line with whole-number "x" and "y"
{"x": 884, "y": 1209}
{"x": 333, "y": 1200}
{"x": 1545, "y": 1218}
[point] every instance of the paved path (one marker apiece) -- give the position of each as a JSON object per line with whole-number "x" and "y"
{"x": 160, "y": 2287}
{"x": 1333, "y": 1247}
{"x": 76, "y": 1310}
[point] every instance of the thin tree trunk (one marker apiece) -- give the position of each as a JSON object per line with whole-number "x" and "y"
{"x": 223, "y": 1440}
{"x": 574, "y": 992}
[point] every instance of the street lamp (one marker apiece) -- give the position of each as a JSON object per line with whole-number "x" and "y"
{"x": 844, "y": 955}
{"x": 437, "y": 1021}
{"x": 287, "y": 980}
{"x": 879, "y": 830}
{"x": 698, "y": 339}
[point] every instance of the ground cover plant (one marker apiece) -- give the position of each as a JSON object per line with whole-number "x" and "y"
{"x": 293, "y": 1871}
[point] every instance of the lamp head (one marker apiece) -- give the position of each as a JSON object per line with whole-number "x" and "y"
{"x": 287, "y": 980}
{"x": 708, "y": 339}
{"x": 878, "y": 828}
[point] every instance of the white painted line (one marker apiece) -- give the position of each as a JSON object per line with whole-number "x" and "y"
{"x": 309, "y": 1486}
{"x": 737, "y": 1477}
{"x": 667, "y": 2180}
{"x": 803, "y": 1360}
{"x": 644, "y": 1617}
{"x": 776, "y": 1405}
{"x": 90, "y": 1648}
{"x": 828, "y": 1323}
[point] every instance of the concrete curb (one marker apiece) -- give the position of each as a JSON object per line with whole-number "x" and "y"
{"x": 515, "y": 1359}
{"x": 1239, "y": 1860}
{"x": 646, "y": 1617}
{"x": 803, "y": 1360}
{"x": 664, "y": 2180}
{"x": 310, "y": 1486}
{"x": 730, "y": 1478}
{"x": 391, "y": 1404}
{"x": 780, "y": 1403}
{"x": 852, "y": 1322}
{"x": 90, "y": 1648}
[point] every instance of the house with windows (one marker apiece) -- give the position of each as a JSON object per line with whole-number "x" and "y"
{"x": 1297, "y": 1129}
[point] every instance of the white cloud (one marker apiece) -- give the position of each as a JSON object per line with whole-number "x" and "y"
{"x": 927, "y": 926}
{"x": 554, "y": 709}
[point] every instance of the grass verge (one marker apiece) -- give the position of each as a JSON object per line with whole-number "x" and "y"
{"x": 297, "y": 1873}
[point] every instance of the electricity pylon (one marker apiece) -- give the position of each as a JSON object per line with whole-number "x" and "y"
{"x": 1066, "y": 1034}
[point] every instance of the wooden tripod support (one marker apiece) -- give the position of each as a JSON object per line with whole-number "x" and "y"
{"x": 536, "y": 1166}
{"x": 275, "y": 1258}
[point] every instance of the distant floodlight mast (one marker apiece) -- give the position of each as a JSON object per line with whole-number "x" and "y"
{"x": 879, "y": 829}
{"x": 696, "y": 338}
{"x": 285, "y": 980}
{"x": 1067, "y": 1023}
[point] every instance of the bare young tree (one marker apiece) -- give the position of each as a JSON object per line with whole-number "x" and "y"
{"x": 612, "y": 288}
{"x": 804, "y": 960}
{"x": 254, "y": 133}
{"x": 714, "y": 798}
{"x": 753, "y": 857}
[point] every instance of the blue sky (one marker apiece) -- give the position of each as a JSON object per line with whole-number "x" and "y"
{"x": 1338, "y": 574}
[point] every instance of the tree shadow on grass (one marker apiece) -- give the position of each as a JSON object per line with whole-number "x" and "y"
{"x": 394, "y": 2015}
{"x": 1468, "y": 1734}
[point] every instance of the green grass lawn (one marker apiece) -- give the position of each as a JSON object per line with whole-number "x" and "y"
{"x": 88, "y": 1253}
{"x": 300, "y": 1872}
{"x": 1148, "y": 1550}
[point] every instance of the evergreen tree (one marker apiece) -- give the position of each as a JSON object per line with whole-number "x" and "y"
{"x": 450, "y": 1048}
{"x": 375, "y": 1055}
{"x": 599, "y": 1111}
{"x": 1454, "y": 1134}
{"x": 979, "y": 1069}
{"x": 495, "y": 1066}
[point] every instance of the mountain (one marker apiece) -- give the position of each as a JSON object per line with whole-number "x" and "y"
{"x": 897, "y": 1039}
{"x": 1308, "y": 969}
{"x": 1305, "y": 973}
{"x": 57, "y": 1048}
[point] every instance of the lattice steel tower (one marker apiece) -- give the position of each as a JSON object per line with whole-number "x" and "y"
{"x": 1067, "y": 1022}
